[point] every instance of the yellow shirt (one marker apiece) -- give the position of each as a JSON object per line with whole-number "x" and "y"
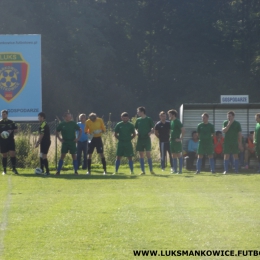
{"x": 91, "y": 126}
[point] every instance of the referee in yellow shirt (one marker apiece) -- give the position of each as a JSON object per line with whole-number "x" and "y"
{"x": 95, "y": 126}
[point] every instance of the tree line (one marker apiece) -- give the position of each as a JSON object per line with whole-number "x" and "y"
{"x": 110, "y": 56}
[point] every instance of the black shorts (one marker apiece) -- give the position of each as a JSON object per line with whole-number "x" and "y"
{"x": 44, "y": 148}
{"x": 97, "y": 143}
{"x": 7, "y": 145}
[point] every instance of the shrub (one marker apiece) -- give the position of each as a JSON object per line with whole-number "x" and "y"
{"x": 28, "y": 156}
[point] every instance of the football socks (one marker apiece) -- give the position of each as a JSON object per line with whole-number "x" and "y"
{"x": 212, "y": 164}
{"x": 75, "y": 165}
{"x": 174, "y": 163}
{"x": 13, "y": 161}
{"x": 150, "y": 163}
{"x": 104, "y": 164}
{"x": 89, "y": 165}
{"x": 199, "y": 162}
{"x": 60, "y": 165}
{"x": 142, "y": 164}
{"x": 236, "y": 165}
{"x": 131, "y": 165}
{"x": 117, "y": 164}
{"x": 226, "y": 163}
{"x": 180, "y": 163}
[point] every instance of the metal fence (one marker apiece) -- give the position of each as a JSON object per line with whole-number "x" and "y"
{"x": 28, "y": 156}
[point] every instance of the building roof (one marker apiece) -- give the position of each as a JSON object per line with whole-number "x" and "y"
{"x": 219, "y": 105}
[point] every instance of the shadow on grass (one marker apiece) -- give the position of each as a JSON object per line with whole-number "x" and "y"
{"x": 171, "y": 175}
{"x": 249, "y": 174}
{"x": 72, "y": 176}
{"x": 99, "y": 175}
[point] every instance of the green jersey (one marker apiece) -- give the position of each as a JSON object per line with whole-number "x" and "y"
{"x": 205, "y": 132}
{"x": 125, "y": 131}
{"x": 144, "y": 126}
{"x": 231, "y": 136}
{"x": 257, "y": 134}
{"x": 68, "y": 130}
{"x": 176, "y": 126}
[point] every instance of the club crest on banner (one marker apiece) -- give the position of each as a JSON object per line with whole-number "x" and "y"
{"x": 14, "y": 72}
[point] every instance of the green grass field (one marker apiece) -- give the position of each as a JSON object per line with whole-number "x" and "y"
{"x": 107, "y": 217}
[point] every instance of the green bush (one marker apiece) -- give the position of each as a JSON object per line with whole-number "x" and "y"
{"x": 28, "y": 156}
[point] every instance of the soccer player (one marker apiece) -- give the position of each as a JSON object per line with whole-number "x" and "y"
{"x": 8, "y": 145}
{"x": 206, "y": 131}
{"x": 144, "y": 126}
{"x": 44, "y": 141}
{"x": 162, "y": 132}
{"x": 95, "y": 126}
{"x": 257, "y": 138}
{"x": 82, "y": 145}
{"x": 233, "y": 140}
{"x": 124, "y": 132}
{"x": 68, "y": 140}
{"x": 177, "y": 134}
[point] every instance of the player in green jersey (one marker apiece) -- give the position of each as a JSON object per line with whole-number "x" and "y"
{"x": 124, "y": 132}
{"x": 144, "y": 126}
{"x": 233, "y": 140}
{"x": 206, "y": 131}
{"x": 68, "y": 130}
{"x": 257, "y": 138}
{"x": 177, "y": 134}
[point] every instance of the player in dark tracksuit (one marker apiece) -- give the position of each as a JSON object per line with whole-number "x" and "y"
{"x": 162, "y": 131}
{"x": 8, "y": 144}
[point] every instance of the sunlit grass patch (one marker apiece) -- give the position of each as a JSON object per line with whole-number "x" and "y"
{"x": 107, "y": 217}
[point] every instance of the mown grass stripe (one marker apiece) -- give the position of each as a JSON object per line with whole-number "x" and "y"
{"x": 6, "y": 208}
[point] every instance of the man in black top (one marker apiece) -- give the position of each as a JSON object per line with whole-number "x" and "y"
{"x": 44, "y": 141}
{"x": 8, "y": 144}
{"x": 162, "y": 131}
